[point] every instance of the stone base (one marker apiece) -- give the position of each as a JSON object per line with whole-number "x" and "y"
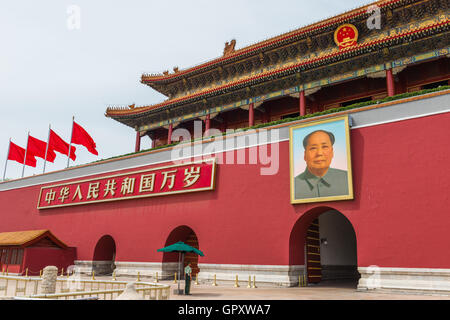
{"x": 100, "y": 267}
{"x": 408, "y": 280}
{"x": 280, "y": 276}
{"x": 130, "y": 269}
{"x": 82, "y": 267}
{"x": 147, "y": 269}
{"x": 286, "y": 276}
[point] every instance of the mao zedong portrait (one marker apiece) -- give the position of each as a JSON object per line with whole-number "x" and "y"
{"x": 319, "y": 179}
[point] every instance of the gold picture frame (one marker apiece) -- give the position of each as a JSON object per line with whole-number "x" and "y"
{"x": 306, "y": 187}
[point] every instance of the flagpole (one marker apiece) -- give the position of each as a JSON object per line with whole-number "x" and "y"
{"x": 26, "y": 151}
{"x": 46, "y": 149}
{"x": 6, "y": 162}
{"x": 70, "y": 144}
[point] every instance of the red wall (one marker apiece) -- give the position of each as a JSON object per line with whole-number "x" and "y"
{"x": 36, "y": 259}
{"x": 12, "y": 268}
{"x": 400, "y": 211}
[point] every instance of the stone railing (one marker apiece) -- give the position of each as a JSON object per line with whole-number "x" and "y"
{"x": 74, "y": 288}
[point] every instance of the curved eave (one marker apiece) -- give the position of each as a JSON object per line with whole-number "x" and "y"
{"x": 160, "y": 87}
{"x": 120, "y": 114}
{"x": 151, "y": 80}
{"x": 28, "y": 238}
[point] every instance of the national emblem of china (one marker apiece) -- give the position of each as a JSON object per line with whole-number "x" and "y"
{"x": 346, "y": 36}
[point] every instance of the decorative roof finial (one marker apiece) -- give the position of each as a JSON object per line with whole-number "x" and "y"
{"x": 229, "y": 48}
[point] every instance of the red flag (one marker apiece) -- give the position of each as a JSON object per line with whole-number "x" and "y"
{"x": 17, "y": 153}
{"x": 38, "y": 147}
{"x": 80, "y": 136}
{"x": 57, "y": 144}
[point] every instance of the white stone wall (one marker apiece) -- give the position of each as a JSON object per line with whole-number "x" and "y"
{"x": 131, "y": 269}
{"x": 267, "y": 275}
{"x": 419, "y": 280}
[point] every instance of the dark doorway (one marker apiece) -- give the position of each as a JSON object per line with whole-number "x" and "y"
{"x": 104, "y": 256}
{"x": 323, "y": 241}
{"x": 335, "y": 247}
{"x": 170, "y": 259}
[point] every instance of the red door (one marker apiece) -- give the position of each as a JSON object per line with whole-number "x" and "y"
{"x": 314, "y": 268}
{"x": 192, "y": 257}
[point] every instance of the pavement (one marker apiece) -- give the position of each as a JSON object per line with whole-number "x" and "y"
{"x": 333, "y": 290}
{"x": 330, "y": 292}
{"x": 325, "y": 291}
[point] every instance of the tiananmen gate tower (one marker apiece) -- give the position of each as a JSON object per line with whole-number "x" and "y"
{"x": 240, "y": 165}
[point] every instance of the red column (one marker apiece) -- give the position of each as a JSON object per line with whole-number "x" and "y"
{"x": 390, "y": 83}
{"x": 251, "y": 116}
{"x": 207, "y": 122}
{"x": 169, "y": 134}
{"x": 137, "y": 147}
{"x": 302, "y": 103}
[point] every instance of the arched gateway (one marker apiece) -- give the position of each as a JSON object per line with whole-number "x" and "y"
{"x": 324, "y": 242}
{"x": 104, "y": 256}
{"x": 188, "y": 236}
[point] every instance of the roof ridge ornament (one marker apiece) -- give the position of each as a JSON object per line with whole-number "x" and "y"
{"x": 229, "y": 48}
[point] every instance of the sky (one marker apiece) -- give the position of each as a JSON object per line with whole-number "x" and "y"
{"x": 61, "y": 59}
